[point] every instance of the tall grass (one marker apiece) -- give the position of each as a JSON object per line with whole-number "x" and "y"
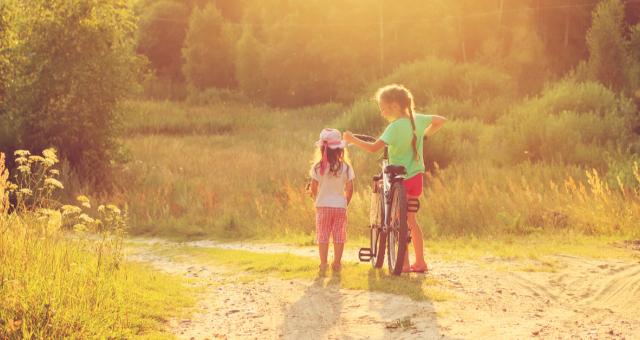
{"x": 60, "y": 284}
{"x": 249, "y": 183}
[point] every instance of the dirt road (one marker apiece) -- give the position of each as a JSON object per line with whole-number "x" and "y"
{"x": 580, "y": 298}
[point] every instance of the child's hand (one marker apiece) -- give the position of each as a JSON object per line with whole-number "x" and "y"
{"x": 347, "y": 136}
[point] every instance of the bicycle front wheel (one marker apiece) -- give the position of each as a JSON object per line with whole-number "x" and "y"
{"x": 397, "y": 232}
{"x": 378, "y": 236}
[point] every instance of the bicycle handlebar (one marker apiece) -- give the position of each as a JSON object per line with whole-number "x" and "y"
{"x": 365, "y": 138}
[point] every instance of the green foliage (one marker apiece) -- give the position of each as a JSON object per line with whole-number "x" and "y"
{"x": 308, "y": 62}
{"x": 634, "y": 48}
{"x": 460, "y": 142}
{"x": 208, "y": 50}
{"x": 578, "y": 123}
{"x": 248, "y": 64}
{"x": 214, "y": 96}
{"x": 72, "y": 63}
{"x": 362, "y": 117}
{"x": 163, "y": 88}
{"x": 469, "y": 91}
{"x": 161, "y": 34}
{"x": 437, "y": 78}
{"x": 482, "y": 186}
{"x": 610, "y": 60}
{"x": 523, "y": 58}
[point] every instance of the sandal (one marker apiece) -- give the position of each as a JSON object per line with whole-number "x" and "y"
{"x": 336, "y": 267}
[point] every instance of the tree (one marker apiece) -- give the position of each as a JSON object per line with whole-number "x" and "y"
{"x": 248, "y": 64}
{"x": 73, "y": 62}
{"x": 163, "y": 27}
{"x": 208, "y": 50}
{"x": 609, "y": 59}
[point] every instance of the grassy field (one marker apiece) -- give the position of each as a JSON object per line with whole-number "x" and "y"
{"x": 58, "y": 281}
{"x": 244, "y": 176}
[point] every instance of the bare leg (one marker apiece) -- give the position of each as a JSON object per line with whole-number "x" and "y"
{"x": 416, "y": 239}
{"x": 324, "y": 252}
{"x": 337, "y": 255}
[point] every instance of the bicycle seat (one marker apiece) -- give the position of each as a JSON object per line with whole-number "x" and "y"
{"x": 395, "y": 170}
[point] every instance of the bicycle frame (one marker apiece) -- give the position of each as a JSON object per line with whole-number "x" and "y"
{"x": 390, "y": 227}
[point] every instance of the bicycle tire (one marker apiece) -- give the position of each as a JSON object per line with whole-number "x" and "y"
{"x": 378, "y": 237}
{"x": 397, "y": 228}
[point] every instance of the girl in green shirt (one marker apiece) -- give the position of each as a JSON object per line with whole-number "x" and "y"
{"x": 404, "y": 138}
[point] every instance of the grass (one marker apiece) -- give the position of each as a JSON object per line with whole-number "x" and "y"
{"x": 248, "y": 182}
{"x": 56, "y": 283}
{"x": 286, "y": 266}
{"x": 53, "y": 286}
{"x": 535, "y": 247}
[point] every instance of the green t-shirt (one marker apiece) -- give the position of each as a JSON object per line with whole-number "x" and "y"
{"x": 398, "y": 136}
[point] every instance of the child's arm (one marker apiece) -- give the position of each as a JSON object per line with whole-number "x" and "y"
{"x": 348, "y": 191}
{"x": 314, "y": 189}
{"x": 366, "y": 146}
{"x": 436, "y": 123}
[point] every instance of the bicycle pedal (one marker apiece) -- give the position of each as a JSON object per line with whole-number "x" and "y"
{"x": 365, "y": 254}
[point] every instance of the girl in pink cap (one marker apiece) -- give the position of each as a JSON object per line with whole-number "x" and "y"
{"x": 332, "y": 188}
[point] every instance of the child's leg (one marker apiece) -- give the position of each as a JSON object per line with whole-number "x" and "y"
{"x": 339, "y": 234}
{"x": 416, "y": 239}
{"x": 323, "y": 220}
{"x": 337, "y": 253}
{"x": 324, "y": 254}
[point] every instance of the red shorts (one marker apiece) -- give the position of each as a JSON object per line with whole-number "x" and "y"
{"x": 331, "y": 222}
{"x": 413, "y": 185}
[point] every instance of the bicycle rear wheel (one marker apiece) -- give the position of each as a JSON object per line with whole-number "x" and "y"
{"x": 397, "y": 228}
{"x": 378, "y": 236}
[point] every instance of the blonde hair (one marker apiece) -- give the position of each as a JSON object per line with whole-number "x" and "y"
{"x": 400, "y": 95}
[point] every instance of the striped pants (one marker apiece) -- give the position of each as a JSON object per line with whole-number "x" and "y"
{"x": 331, "y": 222}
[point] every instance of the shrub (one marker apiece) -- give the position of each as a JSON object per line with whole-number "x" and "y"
{"x": 72, "y": 63}
{"x": 362, "y": 117}
{"x": 459, "y": 141}
{"x": 570, "y": 122}
{"x": 433, "y": 78}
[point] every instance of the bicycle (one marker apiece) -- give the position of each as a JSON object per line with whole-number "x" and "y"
{"x": 388, "y": 228}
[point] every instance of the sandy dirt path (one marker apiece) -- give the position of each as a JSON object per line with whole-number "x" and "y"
{"x": 582, "y": 299}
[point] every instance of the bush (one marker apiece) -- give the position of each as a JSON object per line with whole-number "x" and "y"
{"x": 216, "y": 96}
{"x": 577, "y": 123}
{"x": 73, "y": 62}
{"x": 433, "y": 78}
{"x": 459, "y": 141}
{"x": 581, "y": 97}
{"x": 439, "y": 87}
{"x": 362, "y": 117}
{"x": 163, "y": 88}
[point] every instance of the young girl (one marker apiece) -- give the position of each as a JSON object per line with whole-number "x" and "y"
{"x": 404, "y": 137}
{"x": 331, "y": 187}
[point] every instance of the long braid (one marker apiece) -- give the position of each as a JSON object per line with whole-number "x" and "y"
{"x": 414, "y": 141}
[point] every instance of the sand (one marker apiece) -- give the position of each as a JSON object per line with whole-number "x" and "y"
{"x": 582, "y": 299}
